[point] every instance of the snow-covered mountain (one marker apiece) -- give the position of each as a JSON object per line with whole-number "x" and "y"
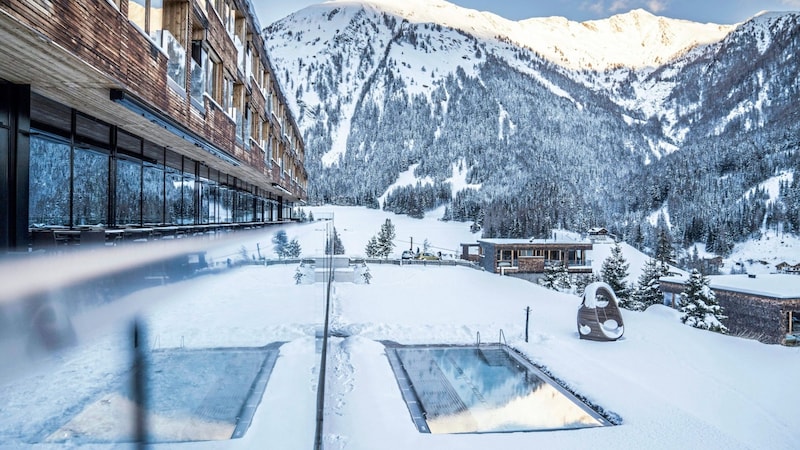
{"x": 550, "y": 122}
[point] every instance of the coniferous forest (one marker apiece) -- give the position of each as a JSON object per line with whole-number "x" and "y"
{"x": 548, "y": 146}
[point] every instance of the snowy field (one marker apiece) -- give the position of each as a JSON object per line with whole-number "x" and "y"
{"x": 672, "y": 385}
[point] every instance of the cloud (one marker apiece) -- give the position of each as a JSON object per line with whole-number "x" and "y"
{"x": 599, "y": 8}
{"x": 657, "y": 6}
{"x": 615, "y": 6}
{"x": 791, "y": 3}
{"x": 620, "y": 5}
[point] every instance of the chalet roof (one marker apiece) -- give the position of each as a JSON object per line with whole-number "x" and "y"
{"x": 778, "y": 286}
{"x": 560, "y": 240}
{"x": 597, "y": 230}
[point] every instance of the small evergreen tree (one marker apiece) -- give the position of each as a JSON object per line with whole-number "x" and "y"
{"x": 556, "y": 277}
{"x": 648, "y": 291}
{"x": 583, "y": 281}
{"x": 372, "y": 247}
{"x": 292, "y": 249}
{"x": 386, "y": 239}
{"x": 614, "y": 272}
{"x": 279, "y": 242}
{"x": 699, "y": 305}
{"x": 665, "y": 254}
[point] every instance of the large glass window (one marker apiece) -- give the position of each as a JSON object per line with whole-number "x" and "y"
{"x": 187, "y": 203}
{"x": 153, "y": 195}
{"x": 213, "y": 203}
{"x": 129, "y": 191}
{"x": 90, "y": 182}
{"x": 226, "y": 204}
{"x": 49, "y": 182}
{"x": 174, "y": 196}
{"x": 146, "y": 14}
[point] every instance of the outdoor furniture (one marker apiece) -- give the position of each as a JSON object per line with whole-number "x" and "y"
{"x": 93, "y": 238}
{"x": 599, "y": 317}
{"x": 43, "y": 239}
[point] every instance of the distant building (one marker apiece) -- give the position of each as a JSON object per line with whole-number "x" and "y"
{"x": 598, "y": 234}
{"x": 530, "y": 256}
{"x": 763, "y": 307}
{"x": 785, "y": 267}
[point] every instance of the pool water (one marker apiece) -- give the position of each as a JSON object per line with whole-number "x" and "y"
{"x": 483, "y": 389}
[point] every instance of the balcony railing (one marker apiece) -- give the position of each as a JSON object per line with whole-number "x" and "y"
{"x": 176, "y": 67}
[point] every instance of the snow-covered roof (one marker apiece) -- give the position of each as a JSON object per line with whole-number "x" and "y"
{"x": 565, "y": 239}
{"x": 779, "y": 286}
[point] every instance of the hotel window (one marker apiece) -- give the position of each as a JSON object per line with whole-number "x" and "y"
{"x": 213, "y": 78}
{"x": 149, "y": 16}
{"x": 227, "y": 14}
{"x": 146, "y": 14}
{"x": 526, "y": 252}
{"x": 227, "y": 95}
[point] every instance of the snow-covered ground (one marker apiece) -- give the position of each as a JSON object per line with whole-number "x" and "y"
{"x": 672, "y": 385}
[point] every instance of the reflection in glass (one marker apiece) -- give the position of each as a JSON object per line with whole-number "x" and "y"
{"x": 90, "y": 182}
{"x": 49, "y": 182}
{"x": 129, "y": 192}
{"x": 153, "y": 195}
{"x": 467, "y": 390}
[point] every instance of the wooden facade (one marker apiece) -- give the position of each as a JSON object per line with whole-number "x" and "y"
{"x": 761, "y": 307}
{"x": 532, "y": 255}
{"x": 189, "y": 77}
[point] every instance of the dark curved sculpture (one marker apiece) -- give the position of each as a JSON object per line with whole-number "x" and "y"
{"x": 599, "y": 318}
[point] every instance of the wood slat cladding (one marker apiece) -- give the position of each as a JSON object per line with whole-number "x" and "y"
{"x": 89, "y": 47}
{"x": 756, "y": 316}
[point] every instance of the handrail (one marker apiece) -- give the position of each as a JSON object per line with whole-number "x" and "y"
{"x": 502, "y": 338}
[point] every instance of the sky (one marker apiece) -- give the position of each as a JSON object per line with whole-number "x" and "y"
{"x": 714, "y": 11}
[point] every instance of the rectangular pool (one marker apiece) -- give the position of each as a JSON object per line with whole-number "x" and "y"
{"x": 483, "y": 389}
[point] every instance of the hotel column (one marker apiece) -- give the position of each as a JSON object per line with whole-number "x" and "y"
{"x": 15, "y": 106}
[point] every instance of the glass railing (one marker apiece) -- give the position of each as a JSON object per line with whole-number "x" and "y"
{"x": 198, "y": 83}
{"x": 176, "y": 66}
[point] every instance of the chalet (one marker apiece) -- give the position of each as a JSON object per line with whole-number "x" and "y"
{"x": 785, "y": 267}
{"x": 530, "y": 256}
{"x": 765, "y": 307}
{"x": 598, "y": 234}
{"x": 140, "y": 113}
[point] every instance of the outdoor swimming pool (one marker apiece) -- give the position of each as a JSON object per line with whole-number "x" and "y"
{"x": 192, "y": 395}
{"x": 482, "y": 390}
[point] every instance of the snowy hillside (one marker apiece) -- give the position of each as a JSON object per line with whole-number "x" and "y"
{"x": 548, "y": 123}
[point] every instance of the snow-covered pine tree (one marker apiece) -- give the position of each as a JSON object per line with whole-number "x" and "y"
{"x": 699, "y": 305}
{"x": 292, "y": 249}
{"x": 648, "y": 291}
{"x": 279, "y": 241}
{"x": 386, "y": 239}
{"x": 614, "y": 272}
{"x": 372, "y": 249}
{"x": 585, "y": 280}
{"x": 556, "y": 277}
{"x": 665, "y": 253}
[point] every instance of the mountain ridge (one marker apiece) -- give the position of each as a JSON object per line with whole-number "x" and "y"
{"x": 372, "y": 86}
